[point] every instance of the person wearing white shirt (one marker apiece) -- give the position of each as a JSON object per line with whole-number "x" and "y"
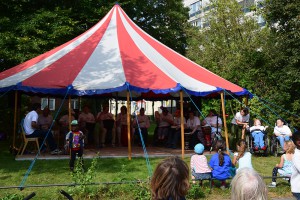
{"x": 240, "y": 122}
{"x": 282, "y": 132}
{"x": 214, "y": 121}
{"x": 194, "y": 124}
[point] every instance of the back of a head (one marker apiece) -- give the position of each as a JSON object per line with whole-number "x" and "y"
{"x": 296, "y": 139}
{"x": 248, "y": 185}
{"x": 36, "y": 106}
{"x": 170, "y": 179}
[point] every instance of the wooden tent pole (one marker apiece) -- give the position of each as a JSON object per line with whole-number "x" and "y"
{"x": 15, "y": 119}
{"x": 181, "y": 124}
{"x": 225, "y": 123}
{"x": 128, "y": 127}
{"x": 69, "y": 109}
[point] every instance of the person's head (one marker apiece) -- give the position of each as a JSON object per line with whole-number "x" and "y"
{"x": 177, "y": 113}
{"x": 142, "y": 111}
{"x": 257, "y": 122}
{"x": 199, "y": 148}
{"x": 279, "y": 122}
{"x": 296, "y": 139}
{"x": 211, "y": 112}
{"x": 289, "y": 147}
{"x": 248, "y": 184}
{"x": 46, "y": 111}
{"x": 123, "y": 110}
{"x": 191, "y": 114}
{"x": 170, "y": 179}
{"x": 220, "y": 148}
{"x": 86, "y": 109}
{"x": 74, "y": 125}
{"x": 165, "y": 111}
{"x": 105, "y": 108}
{"x": 241, "y": 147}
{"x": 244, "y": 111}
{"x": 36, "y": 106}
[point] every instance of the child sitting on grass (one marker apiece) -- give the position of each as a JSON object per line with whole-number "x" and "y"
{"x": 75, "y": 141}
{"x": 284, "y": 168}
{"x": 220, "y": 164}
{"x": 199, "y": 166}
{"x": 242, "y": 157}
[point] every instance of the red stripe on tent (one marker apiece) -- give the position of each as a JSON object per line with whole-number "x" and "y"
{"x": 139, "y": 70}
{"x": 186, "y": 66}
{"x": 62, "y": 72}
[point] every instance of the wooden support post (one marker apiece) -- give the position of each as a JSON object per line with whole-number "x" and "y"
{"x": 181, "y": 124}
{"x": 128, "y": 126}
{"x": 70, "y": 113}
{"x": 15, "y": 119}
{"x": 224, "y": 120}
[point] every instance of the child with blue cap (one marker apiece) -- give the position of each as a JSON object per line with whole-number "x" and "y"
{"x": 199, "y": 166}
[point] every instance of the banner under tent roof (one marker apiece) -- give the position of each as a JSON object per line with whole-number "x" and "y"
{"x": 110, "y": 58}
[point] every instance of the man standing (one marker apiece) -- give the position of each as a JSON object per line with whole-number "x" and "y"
{"x": 32, "y": 129}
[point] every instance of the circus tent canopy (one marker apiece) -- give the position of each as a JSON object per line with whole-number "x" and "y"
{"x": 113, "y": 56}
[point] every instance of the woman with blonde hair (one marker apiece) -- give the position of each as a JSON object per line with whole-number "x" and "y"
{"x": 285, "y": 167}
{"x": 170, "y": 180}
{"x": 248, "y": 185}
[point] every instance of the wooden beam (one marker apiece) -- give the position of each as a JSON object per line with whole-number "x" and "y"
{"x": 128, "y": 127}
{"x": 224, "y": 120}
{"x": 181, "y": 124}
{"x": 15, "y": 119}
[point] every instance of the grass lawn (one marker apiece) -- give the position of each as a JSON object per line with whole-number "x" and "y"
{"x": 106, "y": 170}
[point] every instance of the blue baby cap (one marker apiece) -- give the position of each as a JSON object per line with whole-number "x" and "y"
{"x": 199, "y": 148}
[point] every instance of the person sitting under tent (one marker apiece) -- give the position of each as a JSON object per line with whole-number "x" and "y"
{"x": 194, "y": 125}
{"x": 32, "y": 129}
{"x": 165, "y": 120}
{"x": 107, "y": 127}
{"x": 143, "y": 123}
{"x": 214, "y": 121}
{"x": 122, "y": 127}
{"x": 175, "y": 132}
{"x": 86, "y": 122}
{"x": 45, "y": 119}
{"x": 282, "y": 132}
{"x": 240, "y": 122}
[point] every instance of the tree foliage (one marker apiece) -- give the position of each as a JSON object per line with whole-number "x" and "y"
{"x": 32, "y": 27}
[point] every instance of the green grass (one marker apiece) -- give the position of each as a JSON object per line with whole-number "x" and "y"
{"x": 107, "y": 170}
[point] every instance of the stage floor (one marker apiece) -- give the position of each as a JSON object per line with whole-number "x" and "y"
{"x": 114, "y": 152}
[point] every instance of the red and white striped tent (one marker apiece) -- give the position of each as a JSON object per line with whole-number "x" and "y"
{"x": 115, "y": 55}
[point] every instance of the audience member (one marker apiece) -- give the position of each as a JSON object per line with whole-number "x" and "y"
{"x": 199, "y": 166}
{"x": 170, "y": 180}
{"x": 193, "y": 123}
{"x": 32, "y": 129}
{"x": 242, "y": 157}
{"x": 240, "y": 123}
{"x": 257, "y": 132}
{"x": 214, "y": 121}
{"x": 174, "y": 134}
{"x": 295, "y": 178}
{"x": 282, "y": 132}
{"x": 45, "y": 119}
{"x": 75, "y": 142}
{"x": 220, "y": 163}
{"x": 248, "y": 184}
{"x": 86, "y": 122}
{"x": 165, "y": 120}
{"x": 143, "y": 123}
{"x": 64, "y": 122}
{"x": 107, "y": 126}
{"x": 284, "y": 168}
{"x": 122, "y": 126}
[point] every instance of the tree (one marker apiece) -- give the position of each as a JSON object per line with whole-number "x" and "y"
{"x": 283, "y": 18}
{"x": 30, "y": 28}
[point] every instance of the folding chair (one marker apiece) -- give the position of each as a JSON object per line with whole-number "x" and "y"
{"x": 26, "y": 140}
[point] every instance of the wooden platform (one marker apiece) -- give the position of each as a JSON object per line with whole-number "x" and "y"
{"x": 116, "y": 152}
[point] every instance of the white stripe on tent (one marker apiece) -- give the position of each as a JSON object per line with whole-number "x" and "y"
{"x": 22, "y": 75}
{"x": 103, "y": 69}
{"x": 164, "y": 65}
